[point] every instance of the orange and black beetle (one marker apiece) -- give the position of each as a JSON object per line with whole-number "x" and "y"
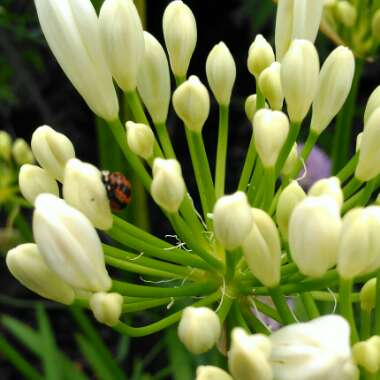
{"x": 118, "y": 189}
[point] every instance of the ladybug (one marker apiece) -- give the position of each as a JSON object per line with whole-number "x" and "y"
{"x": 118, "y": 189}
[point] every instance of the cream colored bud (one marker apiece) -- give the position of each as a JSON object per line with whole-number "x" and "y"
{"x": 199, "y": 329}
{"x": 328, "y": 187}
{"x": 299, "y": 78}
{"x": 335, "y": 82}
{"x": 376, "y": 25}
{"x": 260, "y": 56}
{"x": 270, "y": 85}
{"x": 123, "y": 41}
{"x": 367, "y": 354}
{"x": 21, "y": 152}
{"x": 290, "y": 162}
{"x": 221, "y": 73}
{"x": 27, "y": 266}
{"x": 5, "y": 145}
{"x": 140, "y": 139}
{"x": 368, "y": 166}
{"x": 208, "y": 372}
{"x": 251, "y": 107}
{"x": 314, "y": 230}
{"x": 153, "y": 80}
{"x": 71, "y": 29}
{"x": 248, "y": 358}
{"x": 52, "y": 150}
{"x": 359, "y": 247}
{"x": 372, "y": 104}
{"x": 289, "y": 198}
{"x": 232, "y": 220}
{"x": 192, "y": 103}
{"x": 69, "y": 244}
{"x": 358, "y": 141}
{"x": 107, "y": 307}
{"x": 168, "y": 187}
{"x": 34, "y": 181}
{"x": 367, "y": 295}
{"x": 346, "y": 13}
{"x": 84, "y": 189}
{"x": 270, "y": 130}
{"x": 262, "y": 249}
{"x": 180, "y": 34}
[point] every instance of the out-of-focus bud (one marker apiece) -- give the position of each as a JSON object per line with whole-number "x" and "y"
{"x": 123, "y": 41}
{"x": 22, "y": 153}
{"x": 367, "y": 295}
{"x": 27, "y": 266}
{"x": 260, "y": 56}
{"x": 296, "y": 19}
{"x": 376, "y": 25}
{"x": 52, "y": 150}
{"x": 180, "y": 34}
{"x": 287, "y": 201}
{"x": 168, "y": 187}
{"x": 369, "y": 154}
{"x": 262, "y": 249}
{"x": 221, "y": 72}
{"x": 69, "y": 244}
{"x": 314, "y": 230}
{"x": 335, "y": 81}
{"x": 199, "y": 329}
{"x": 290, "y": 161}
{"x": 306, "y": 351}
{"x": 153, "y": 80}
{"x": 359, "y": 247}
{"x": 251, "y": 106}
{"x": 209, "y": 372}
{"x": 299, "y": 78}
{"x": 71, "y": 29}
{"x": 5, "y": 145}
{"x": 270, "y": 85}
{"x": 34, "y": 181}
{"x": 367, "y": 354}
{"x": 232, "y": 220}
{"x": 372, "y": 104}
{"x": 346, "y": 13}
{"x": 140, "y": 139}
{"x": 84, "y": 189}
{"x": 107, "y": 307}
{"x": 270, "y": 130}
{"x": 328, "y": 187}
{"x": 249, "y": 356}
{"x": 358, "y": 141}
{"x": 192, "y": 103}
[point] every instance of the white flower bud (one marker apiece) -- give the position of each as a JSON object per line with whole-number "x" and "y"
{"x": 307, "y": 351}
{"x": 153, "y": 80}
{"x": 287, "y": 201}
{"x": 123, "y": 41}
{"x": 168, "y": 187}
{"x": 71, "y": 29}
{"x": 69, "y": 244}
{"x": 359, "y": 247}
{"x": 192, "y": 103}
{"x": 376, "y": 25}
{"x": 262, "y": 249}
{"x": 367, "y": 354}
{"x": 291, "y": 161}
{"x": 199, "y": 329}
{"x": 84, "y": 189}
{"x": 260, "y": 56}
{"x": 299, "y": 78}
{"x": 335, "y": 81}
{"x": 180, "y": 34}
{"x": 372, "y": 104}
{"x": 328, "y": 187}
{"x": 34, "y": 181}
{"x": 208, "y": 372}
{"x": 270, "y": 130}
{"x": 248, "y": 358}
{"x": 140, "y": 139}
{"x": 250, "y": 106}
{"x": 369, "y": 154}
{"x": 358, "y": 141}
{"x": 52, "y": 150}
{"x": 314, "y": 230}
{"x": 5, "y": 145}
{"x": 346, "y": 13}
{"x": 107, "y": 307}
{"x": 221, "y": 72}
{"x": 21, "y": 152}
{"x": 270, "y": 85}
{"x": 232, "y": 220}
{"x": 367, "y": 295}
{"x": 27, "y": 266}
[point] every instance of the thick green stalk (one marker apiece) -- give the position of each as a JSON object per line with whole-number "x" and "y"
{"x": 163, "y": 137}
{"x": 281, "y": 305}
{"x": 310, "y": 305}
{"x": 221, "y": 154}
{"x": 349, "y": 168}
{"x": 137, "y": 109}
{"x": 365, "y": 324}
{"x": 248, "y": 166}
{"x": 144, "y": 305}
{"x": 270, "y": 180}
{"x": 345, "y": 307}
{"x": 351, "y": 187}
{"x": 254, "y": 323}
{"x": 224, "y": 308}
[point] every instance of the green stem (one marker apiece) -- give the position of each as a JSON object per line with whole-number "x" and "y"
{"x": 238, "y": 317}
{"x": 144, "y": 305}
{"x": 345, "y": 306}
{"x": 351, "y": 187}
{"x": 270, "y": 179}
{"x": 224, "y": 308}
{"x": 137, "y": 109}
{"x": 365, "y": 324}
{"x": 349, "y": 168}
{"x": 260, "y": 99}
{"x": 163, "y": 137}
{"x": 256, "y": 183}
{"x": 377, "y": 307}
{"x": 310, "y": 305}
{"x": 249, "y": 164}
{"x": 366, "y": 194}
{"x": 221, "y": 154}
{"x": 281, "y": 305}
{"x": 254, "y": 323}
{"x": 266, "y": 309}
